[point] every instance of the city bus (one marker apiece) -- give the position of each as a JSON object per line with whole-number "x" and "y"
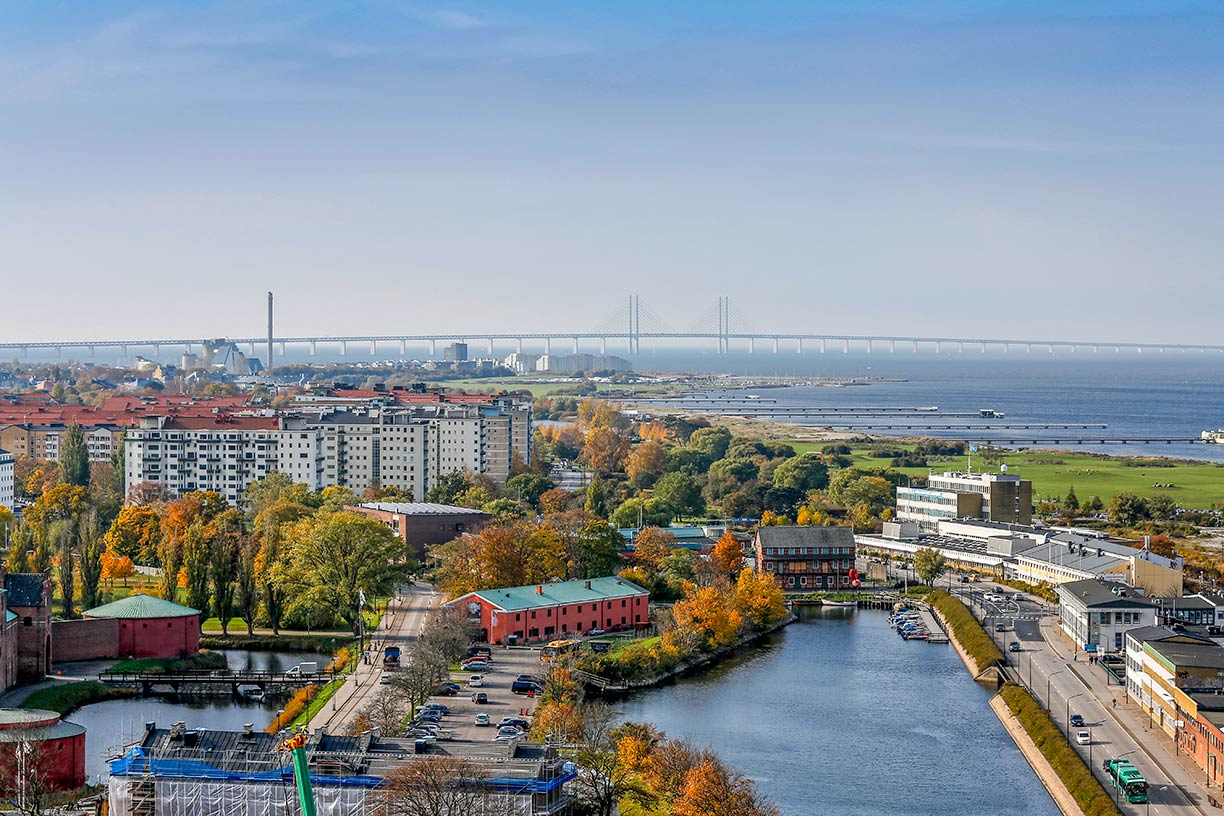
{"x": 559, "y": 648}
{"x": 1126, "y": 778}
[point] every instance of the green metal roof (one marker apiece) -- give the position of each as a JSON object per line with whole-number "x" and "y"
{"x": 140, "y": 606}
{"x": 565, "y": 592}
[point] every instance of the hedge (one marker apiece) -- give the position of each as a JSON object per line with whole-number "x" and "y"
{"x": 969, "y": 633}
{"x": 1085, "y": 788}
{"x": 65, "y": 698}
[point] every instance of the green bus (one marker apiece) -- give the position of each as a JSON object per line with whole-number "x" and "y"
{"x": 1126, "y": 778}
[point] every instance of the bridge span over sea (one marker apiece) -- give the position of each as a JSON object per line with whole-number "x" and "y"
{"x": 721, "y": 327}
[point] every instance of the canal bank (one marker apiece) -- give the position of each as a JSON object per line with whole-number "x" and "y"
{"x": 835, "y": 714}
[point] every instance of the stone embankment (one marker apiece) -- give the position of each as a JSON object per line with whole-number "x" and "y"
{"x": 1041, "y": 766}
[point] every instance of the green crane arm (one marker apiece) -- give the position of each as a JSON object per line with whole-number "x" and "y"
{"x": 296, "y": 746}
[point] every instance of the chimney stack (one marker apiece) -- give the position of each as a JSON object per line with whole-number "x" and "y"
{"x": 269, "y": 331}
{"x": 539, "y": 590}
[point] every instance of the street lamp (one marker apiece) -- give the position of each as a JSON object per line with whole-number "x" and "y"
{"x": 1048, "y": 700}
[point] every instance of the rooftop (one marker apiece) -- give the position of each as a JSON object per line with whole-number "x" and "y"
{"x": 555, "y": 594}
{"x": 806, "y": 536}
{"x": 140, "y": 606}
{"x": 1188, "y": 655}
{"x": 422, "y": 509}
{"x": 1096, "y": 593}
{"x": 25, "y": 588}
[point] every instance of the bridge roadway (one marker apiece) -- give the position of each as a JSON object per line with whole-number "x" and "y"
{"x": 631, "y": 339}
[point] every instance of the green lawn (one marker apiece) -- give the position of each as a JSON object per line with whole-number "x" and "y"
{"x": 1054, "y": 472}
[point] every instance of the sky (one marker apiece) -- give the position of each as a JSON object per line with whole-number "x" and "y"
{"x": 1036, "y": 169}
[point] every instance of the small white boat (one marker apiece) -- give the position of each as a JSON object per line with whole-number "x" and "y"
{"x": 825, "y": 602}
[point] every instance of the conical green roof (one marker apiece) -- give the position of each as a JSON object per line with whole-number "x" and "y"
{"x": 140, "y": 606}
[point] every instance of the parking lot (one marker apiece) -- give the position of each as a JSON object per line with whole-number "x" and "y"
{"x": 506, "y": 665}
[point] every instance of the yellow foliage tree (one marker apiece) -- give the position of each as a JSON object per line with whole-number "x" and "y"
{"x": 707, "y": 614}
{"x": 759, "y": 599}
{"x": 727, "y": 556}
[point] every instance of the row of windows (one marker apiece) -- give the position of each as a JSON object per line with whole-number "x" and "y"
{"x": 809, "y": 550}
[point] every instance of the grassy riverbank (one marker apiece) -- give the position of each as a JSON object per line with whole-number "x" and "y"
{"x": 979, "y": 645}
{"x": 204, "y": 661}
{"x": 68, "y": 697}
{"x": 1088, "y": 792}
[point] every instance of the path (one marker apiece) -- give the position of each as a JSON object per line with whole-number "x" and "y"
{"x": 405, "y": 617}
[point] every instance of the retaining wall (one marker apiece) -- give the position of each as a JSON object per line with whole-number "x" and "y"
{"x": 87, "y": 639}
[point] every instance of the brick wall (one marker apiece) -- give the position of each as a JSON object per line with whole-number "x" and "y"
{"x": 88, "y": 639}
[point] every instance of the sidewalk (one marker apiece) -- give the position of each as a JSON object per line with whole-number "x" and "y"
{"x": 1156, "y": 743}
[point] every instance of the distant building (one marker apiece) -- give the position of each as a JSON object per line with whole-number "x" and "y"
{"x": 455, "y": 352}
{"x": 7, "y": 495}
{"x": 424, "y": 524}
{"x": 1096, "y": 614}
{"x": 548, "y": 611}
{"x": 574, "y": 363}
{"x": 521, "y": 363}
{"x": 806, "y": 559}
{"x": 948, "y": 496}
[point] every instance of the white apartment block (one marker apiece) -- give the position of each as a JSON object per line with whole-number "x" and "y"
{"x": 403, "y": 448}
{"x": 7, "y": 496}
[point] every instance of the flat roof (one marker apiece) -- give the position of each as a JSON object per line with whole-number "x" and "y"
{"x": 422, "y": 509}
{"x": 1204, "y": 655}
{"x": 1092, "y": 592}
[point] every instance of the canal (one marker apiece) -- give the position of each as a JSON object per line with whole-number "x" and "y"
{"x": 837, "y": 715}
{"x": 116, "y": 723}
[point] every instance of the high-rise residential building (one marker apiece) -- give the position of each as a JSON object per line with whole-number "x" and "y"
{"x": 991, "y": 496}
{"x": 7, "y": 496}
{"x": 455, "y": 352}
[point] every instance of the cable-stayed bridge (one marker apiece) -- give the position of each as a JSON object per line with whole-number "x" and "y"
{"x": 721, "y": 327}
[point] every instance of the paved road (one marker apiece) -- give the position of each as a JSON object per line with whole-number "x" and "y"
{"x": 1068, "y": 686}
{"x": 400, "y": 626}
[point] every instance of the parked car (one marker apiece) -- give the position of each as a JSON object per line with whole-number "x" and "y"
{"x": 483, "y": 719}
{"x": 525, "y": 687}
{"x": 622, "y": 627}
{"x": 385, "y": 680}
{"x": 506, "y": 737}
{"x": 480, "y": 698}
{"x": 475, "y": 664}
{"x": 445, "y": 709}
{"x": 1014, "y": 646}
{"x": 1083, "y": 738}
{"x": 530, "y": 678}
{"x": 516, "y": 722}
{"x": 1077, "y": 720}
{"x": 445, "y": 690}
{"x": 595, "y": 632}
{"x": 1018, "y": 597}
{"x": 480, "y": 650}
{"x": 964, "y": 579}
{"x": 476, "y": 681}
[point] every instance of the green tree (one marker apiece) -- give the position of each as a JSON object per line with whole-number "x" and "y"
{"x": 596, "y": 502}
{"x": 227, "y": 541}
{"x": 929, "y": 563}
{"x": 504, "y": 508}
{"x": 92, "y": 546}
{"x": 599, "y": 550}
{"x": 713, "y": 442}
{"x": 804, "y": 473}
{"x": 739, "y": 470}
{"x": 639, "y": 512}
{"x": 527, "y": 488}
{"x": 681, "y": 494}
{"x": 197, "y": 552}
{"x": 874, "y": 491}
{"x": 62, "y": 535}
{"x": 449, "y": 486}
{"x": 1161, "y": 506}
{"x": 1094, "y": 504}
{"x": 20, "y": 543}
{"x": 1071, "y": 502}
{"x": 332, "y": 559}
{"x": 1127, "y": 509}
{"x": 246, "y": 582}
{"x": 74, "y": 457}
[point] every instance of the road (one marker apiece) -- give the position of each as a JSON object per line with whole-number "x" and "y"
{"x": 405, "y": 617}
{"x": 1068, "y": 686}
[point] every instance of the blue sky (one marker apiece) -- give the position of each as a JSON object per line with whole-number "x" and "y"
{"x": 1035, "y": 169}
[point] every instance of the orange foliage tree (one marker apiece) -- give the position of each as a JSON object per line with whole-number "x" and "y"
{"x": 727, "y": 556}
{"x": 646, "y": 464}
{"x": 706, "y": 614}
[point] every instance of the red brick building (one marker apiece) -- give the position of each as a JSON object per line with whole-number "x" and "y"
{"x": 54, "y": 750}
{"x": 548, "y": 611}
{"x": 807, "y": 559}
{"x": 423, "y": 524}
{"x": 28, "y": 599}
{"x": 151, "y": 627}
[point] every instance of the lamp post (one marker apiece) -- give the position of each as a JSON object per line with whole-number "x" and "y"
{"x": 1048, "y": 699}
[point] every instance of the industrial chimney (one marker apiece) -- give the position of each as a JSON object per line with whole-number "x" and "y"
{"x": 269, "y": 331}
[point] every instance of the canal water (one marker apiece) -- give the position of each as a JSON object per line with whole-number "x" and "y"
{"x": 837, "y": 715}
{"x": 116, "y": 723}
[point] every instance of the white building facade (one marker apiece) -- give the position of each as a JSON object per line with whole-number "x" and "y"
{"x": 7, "y": 494}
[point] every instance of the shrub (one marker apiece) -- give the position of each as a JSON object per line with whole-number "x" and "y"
{"x": 297, "y": 704}
{"x": 1088, "y": 793}
{"x": 341, "y": 661}
{"x": 968, "y": 632}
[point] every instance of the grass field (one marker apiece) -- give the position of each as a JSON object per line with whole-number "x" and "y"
{"x": 1054, "y": 472}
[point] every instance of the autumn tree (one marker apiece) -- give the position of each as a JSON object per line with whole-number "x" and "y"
{"x": 20, "y": 543}
{"x": 503, "y": 555}
{"x": 713, "y": 789}
{"x": 646, "y": 464}
{"x": 332, "y": 560}
{"x": 135, "y": 533}
{"x": 604, "y": 450}
{"x": 557, "y": 500}
{"x": 91, "y": 548}
{"x": 728, "y": 554}
{"x": 651, "y": 546}
{"x": 227, "y": 541}
{"x": 197, "y": 560}
{"x": 706, "y": 614}
{"x": 271, "y": 525}
{"x": 758, "y": 597}
{"x": 435, "y": 786}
